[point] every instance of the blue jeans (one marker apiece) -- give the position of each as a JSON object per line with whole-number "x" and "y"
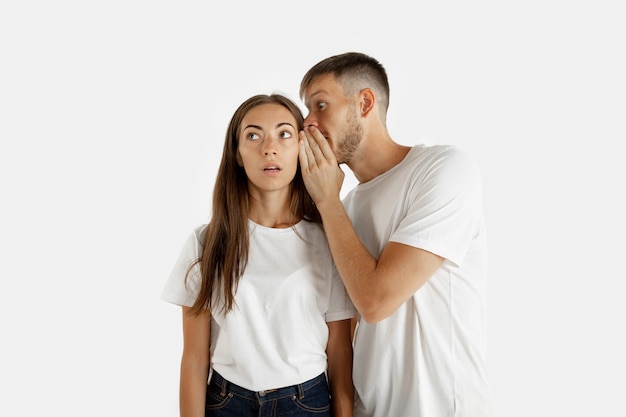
{"x": 310, "y": 398}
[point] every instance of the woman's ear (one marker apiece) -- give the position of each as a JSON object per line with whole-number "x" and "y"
{"x": 239, "y": 160}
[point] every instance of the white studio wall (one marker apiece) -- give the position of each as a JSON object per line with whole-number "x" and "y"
{"x": 112, "y": 119}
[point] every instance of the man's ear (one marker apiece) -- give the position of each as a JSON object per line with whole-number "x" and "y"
{"x": 367, "y": 101}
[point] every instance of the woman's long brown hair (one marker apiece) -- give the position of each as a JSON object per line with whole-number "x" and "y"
{"x": 226, "y": 244}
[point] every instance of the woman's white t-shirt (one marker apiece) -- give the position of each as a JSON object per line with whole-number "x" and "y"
{"x": 276, "y": 334}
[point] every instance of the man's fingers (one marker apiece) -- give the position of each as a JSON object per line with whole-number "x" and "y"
{"x": 307, "y": 158}
{"x": 324, "y": 146}
{"x": 319, "y": 145}
{"x": 312, "y": 141}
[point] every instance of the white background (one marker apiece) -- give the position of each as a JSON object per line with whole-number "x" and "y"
{"x": 112, "y": 119}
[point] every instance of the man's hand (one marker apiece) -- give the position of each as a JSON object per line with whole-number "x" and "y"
{"x": 321, "y": 173}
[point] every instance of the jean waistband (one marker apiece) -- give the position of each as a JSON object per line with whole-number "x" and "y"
{"x": 266, "y": 395}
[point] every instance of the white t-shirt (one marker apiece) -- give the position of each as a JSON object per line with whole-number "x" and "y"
{"x": 276, "y": 334}
{"x": 428, "y": 358}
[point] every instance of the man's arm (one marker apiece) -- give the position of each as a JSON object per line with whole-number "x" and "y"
{"x": 377, "y": 287}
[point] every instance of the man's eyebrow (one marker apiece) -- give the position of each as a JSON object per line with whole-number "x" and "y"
{"x": 314, "y": 95}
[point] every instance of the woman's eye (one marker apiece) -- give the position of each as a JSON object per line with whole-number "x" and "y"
{"x": 321, "y": 105}
{"x": 252, "y": 136}
{"x": 285, "y": 134}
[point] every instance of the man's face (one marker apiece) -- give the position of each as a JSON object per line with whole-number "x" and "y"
{"x": 335, "y": 115}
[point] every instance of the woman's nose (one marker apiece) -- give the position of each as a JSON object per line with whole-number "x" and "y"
{"x": 269, "y": 146}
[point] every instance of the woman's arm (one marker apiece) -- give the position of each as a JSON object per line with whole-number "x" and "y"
{"x": 339, "y": 352}
{"x": 194, "y": 367}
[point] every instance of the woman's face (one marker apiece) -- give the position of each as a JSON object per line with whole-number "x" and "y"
{"x": 268, "y": 148}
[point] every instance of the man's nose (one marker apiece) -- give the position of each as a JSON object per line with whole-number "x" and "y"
{"x": 310, "y": 121}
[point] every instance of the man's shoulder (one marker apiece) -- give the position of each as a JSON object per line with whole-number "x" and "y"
{"x": 428, "y": 155}
{"x": 436, "y": 149}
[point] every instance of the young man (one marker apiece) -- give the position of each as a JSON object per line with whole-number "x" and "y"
{"x": 409, "y": 243}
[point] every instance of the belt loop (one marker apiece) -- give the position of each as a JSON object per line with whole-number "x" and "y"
{"x": 300, "y": 391}
{"x": 223, "y": 392}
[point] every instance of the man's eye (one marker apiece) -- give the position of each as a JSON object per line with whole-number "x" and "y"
{"x": 321, "y": 105}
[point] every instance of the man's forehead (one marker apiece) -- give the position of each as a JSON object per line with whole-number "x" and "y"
{"x": 322, "y": 84}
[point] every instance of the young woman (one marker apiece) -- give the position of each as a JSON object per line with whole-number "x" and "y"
{"x": 266, "y": 318}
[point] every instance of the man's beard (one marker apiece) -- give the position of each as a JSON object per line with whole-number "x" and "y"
{"x": 350, "y": 143}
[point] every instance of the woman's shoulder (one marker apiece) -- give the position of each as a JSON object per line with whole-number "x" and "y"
{"x": 197, "y": 235}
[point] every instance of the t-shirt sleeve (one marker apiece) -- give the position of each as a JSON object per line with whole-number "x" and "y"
{"x": 182, "y": 288}
{"x": 341, "y": 307}
{"x": 445, "y": 208}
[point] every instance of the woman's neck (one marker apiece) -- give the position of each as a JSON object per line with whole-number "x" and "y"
{"x": 271, "y": 213}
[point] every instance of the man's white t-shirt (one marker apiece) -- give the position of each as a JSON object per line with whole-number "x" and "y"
{"x": 428, "y": 358}
{"x": 276, "y": 335}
